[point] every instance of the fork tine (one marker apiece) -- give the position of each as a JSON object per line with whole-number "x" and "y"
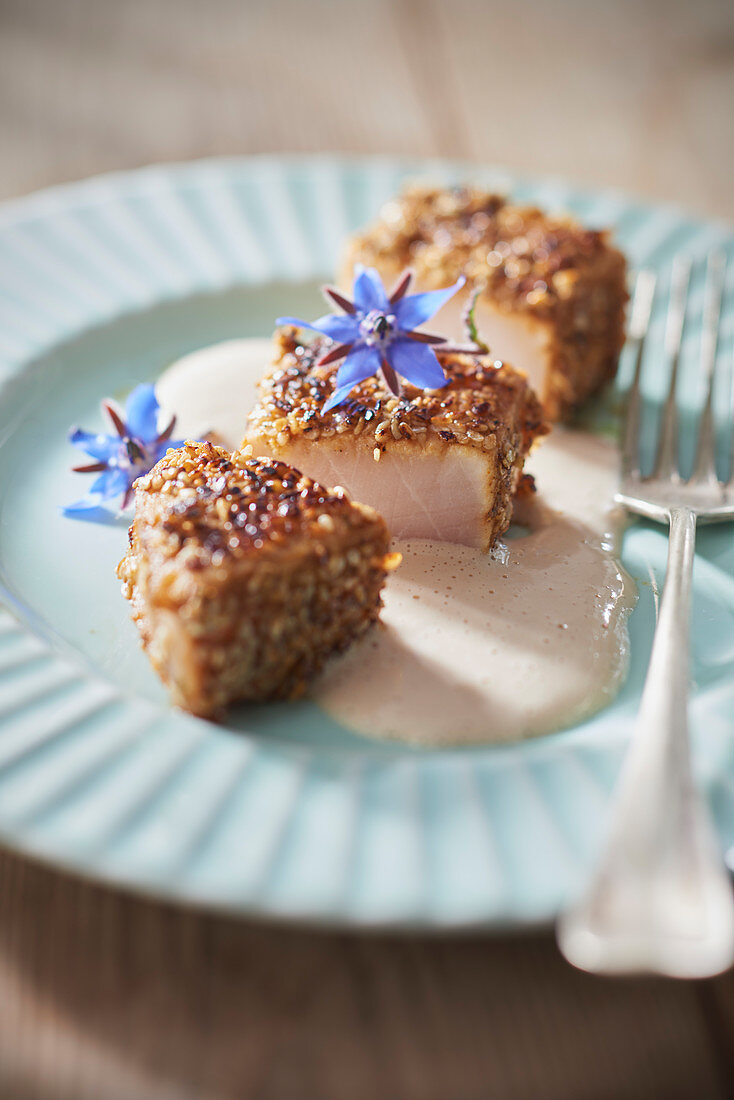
{"x": 666, "y": 460}
{"x": 730, "y": 482}
{"x": 705, "y": 465}
{"x": 639, "y": 324}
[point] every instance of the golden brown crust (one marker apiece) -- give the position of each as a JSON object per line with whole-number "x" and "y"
{"x": 230, "y": 507}
{"x": 549, "y": 268}
{"x": 245, "y": 576}
{"x": 483, "y": 405}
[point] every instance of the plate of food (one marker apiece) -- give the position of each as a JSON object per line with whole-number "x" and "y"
{"x": 323, "y": 612}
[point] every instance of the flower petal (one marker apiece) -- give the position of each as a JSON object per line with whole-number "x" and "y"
{"x": 84, "y": 505}
{"x": 337, "y": 397}
{"x": 141, "y": 413}
{"x": 415, "y": 309}
{"x": 109, "y": 484}
{"x": 369, "y": 293}
{"x": 358, "y": 365}
{"x": 100, "y": 446}
{"x": 343, "y": 329}
{"x": 165, "y": 445}
{"x": 417, "y": 363}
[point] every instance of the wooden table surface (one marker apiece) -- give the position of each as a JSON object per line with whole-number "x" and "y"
{"x": 108, "y": 997}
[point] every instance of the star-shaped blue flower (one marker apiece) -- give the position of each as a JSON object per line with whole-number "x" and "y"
{"x": 125, "y": 456}
{"x": 375, "y": 334}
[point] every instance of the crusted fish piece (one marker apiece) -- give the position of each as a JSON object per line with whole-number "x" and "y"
{"x": 440, "y": 464}
{"x": 244, "y": 576}
{"x": 552, "y": 293}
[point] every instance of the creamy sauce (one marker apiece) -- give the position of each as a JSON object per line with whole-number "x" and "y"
{"x": 212, "y": 390}
{"x": 472, "y": 647}
{"x": 481, "y": 648}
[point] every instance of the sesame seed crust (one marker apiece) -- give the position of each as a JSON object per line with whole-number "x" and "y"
{"x": 245, "y": 576}
{"x": 234, "y": 506}
{"x": 484, "y": 405}
{"x": 522, "y": 255}
{"x": 551, "y": 269}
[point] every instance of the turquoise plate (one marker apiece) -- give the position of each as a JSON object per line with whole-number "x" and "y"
{"x": 280, "y": 812}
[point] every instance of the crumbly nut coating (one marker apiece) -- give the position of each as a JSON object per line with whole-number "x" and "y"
{"x": 551, "y": 269}
{"x": 483, "y": 403}
{"x": 245, "y": 576}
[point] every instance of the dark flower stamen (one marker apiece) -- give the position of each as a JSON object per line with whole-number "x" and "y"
{"x": 134, "y": 451}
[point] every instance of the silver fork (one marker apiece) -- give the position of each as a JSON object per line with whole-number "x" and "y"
{"x": 661, "y": 900}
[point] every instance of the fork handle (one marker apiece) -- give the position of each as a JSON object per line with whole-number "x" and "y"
{"x": 661, "y": 900}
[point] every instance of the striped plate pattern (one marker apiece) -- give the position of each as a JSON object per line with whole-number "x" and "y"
{"x": 102, "y": 283}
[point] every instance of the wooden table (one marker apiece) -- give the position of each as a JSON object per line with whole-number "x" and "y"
{"x": 108, "y": 997}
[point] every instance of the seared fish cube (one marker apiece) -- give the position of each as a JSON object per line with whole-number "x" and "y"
{"x": 552, "y": 293}
{"x": 438, "y": 464}
{"x": 245, "y": 576}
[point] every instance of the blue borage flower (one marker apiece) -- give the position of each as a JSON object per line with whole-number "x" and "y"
{"x": 123, "y": 457}
{"x": 375, "y": 334}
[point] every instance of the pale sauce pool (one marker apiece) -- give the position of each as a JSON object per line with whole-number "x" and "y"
{"x": 472, "y": 648}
